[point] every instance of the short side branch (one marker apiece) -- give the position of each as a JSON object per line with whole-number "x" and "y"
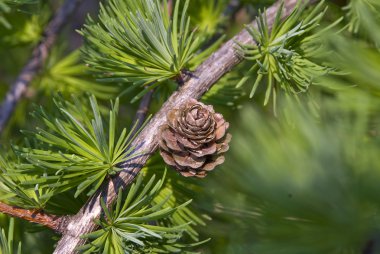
{"x": 33, "y": 66}
{"x": 143, "y": 109}
{"x": 50, "y": 221}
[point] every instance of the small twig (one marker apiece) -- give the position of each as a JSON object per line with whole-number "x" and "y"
{"x": 143, "y": 109}
{"x": 369, "y": 247}
{"x": 50, "y": 221}
{"x": 372, "y": 246}
{"x": 170, "y": 7}
{"x": 232, "y": 8}
{"x": 35, "y": 63}
{"x": 206, "y": 75}
{"x": 230, "y": 11}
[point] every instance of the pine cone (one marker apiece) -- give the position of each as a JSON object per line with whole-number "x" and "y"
{"x": 194, "y": 139}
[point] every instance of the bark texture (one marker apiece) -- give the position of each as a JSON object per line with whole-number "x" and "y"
{"x": 39, "y": 217}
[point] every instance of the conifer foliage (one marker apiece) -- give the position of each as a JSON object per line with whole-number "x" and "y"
{"x": 6, "y": 6}
{"x": 138, "y": 42}
{"x": 299, "y": 176}
{"x": 126, "y": 226}
{"x": 284, "y": 54}
{"x": 91, "y": 150}
{"x": 7, "y": 244}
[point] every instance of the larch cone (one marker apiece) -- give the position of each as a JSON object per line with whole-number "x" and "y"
{"x": 194, "y": 139}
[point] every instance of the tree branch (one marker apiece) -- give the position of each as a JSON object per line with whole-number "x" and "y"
{"x": 207, "y": 74}
{"x": 143, "y": 109}
{"x": 35, "y": 63}
{"x": 50, "y": 221}
{"x": 170, "y": 6}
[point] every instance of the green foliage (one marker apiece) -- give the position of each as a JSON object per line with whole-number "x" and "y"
{"x": 225, "y": 93}
{"x": 364, "y": 73}
{"x": 359, "y": 11}
{"x": 360, "y": 76}
{"x": 68, "y": 75}
{"x": 207, "y": 15}
{"x": 26, "y": 24}
{"x": 5, "y": 7}
{"x": 12, "y": 190}
{"x": 76, "y": 149}
{"x": 179, "y": 190}
{"x": 7, "y": 241}
{"x": 284, "y": 55}
{"x": 140, "y": 222}
{"x": 137, "y": 42}
{"x": 298, "y": 187}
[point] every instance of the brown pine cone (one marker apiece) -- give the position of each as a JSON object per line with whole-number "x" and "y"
{"x": 194, "y": 139}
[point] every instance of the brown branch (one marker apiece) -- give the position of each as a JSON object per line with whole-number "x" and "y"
{"x": 35, "y": 63}
{"x": 50, "y": 221}
{"x": 170, "y": 7}
{"x": 143, "y": 109}
{"x": 207, "y": 74}
{"x": 232, "y": 8}
{"x": 369, "y": 247}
